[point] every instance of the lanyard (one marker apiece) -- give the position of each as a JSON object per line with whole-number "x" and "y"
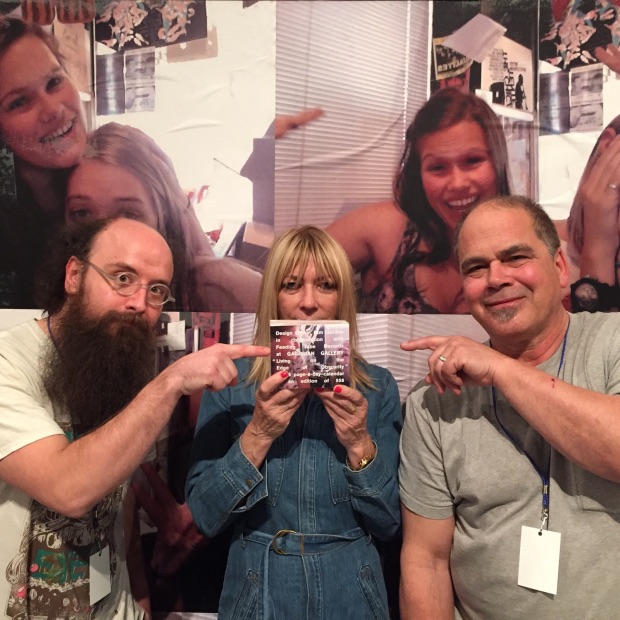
{"x": 544, "y": 477}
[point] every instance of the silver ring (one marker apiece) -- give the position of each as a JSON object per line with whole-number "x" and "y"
{"x": 613, "y": 186}
{"x": 442, "y": 358}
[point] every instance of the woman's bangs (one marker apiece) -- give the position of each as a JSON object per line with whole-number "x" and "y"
{"x": 326, "y": 269}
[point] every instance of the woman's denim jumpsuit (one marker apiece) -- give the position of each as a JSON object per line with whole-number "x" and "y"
{"x": 304, "y": 524}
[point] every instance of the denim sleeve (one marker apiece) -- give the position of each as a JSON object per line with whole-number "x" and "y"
{"x": 374, "y": 489}
{"x": 222, "y": 483}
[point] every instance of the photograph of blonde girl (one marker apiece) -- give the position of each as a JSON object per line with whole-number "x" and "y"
{"x": 124, "y": 173}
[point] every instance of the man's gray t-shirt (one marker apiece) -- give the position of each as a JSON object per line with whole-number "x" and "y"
{"x": 456, "y": 460}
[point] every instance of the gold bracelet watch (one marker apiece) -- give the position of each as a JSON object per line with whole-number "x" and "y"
{"x": 364, "y": 461}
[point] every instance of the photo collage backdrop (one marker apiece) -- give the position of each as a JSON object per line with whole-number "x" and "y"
{"x": 203, "y": 103}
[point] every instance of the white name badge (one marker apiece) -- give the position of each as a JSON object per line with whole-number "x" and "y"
{"x": 539, "y": 559}
{"x": 100, "y": 584}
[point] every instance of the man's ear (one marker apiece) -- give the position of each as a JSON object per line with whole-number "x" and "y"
{"x": 73, "y": 276}
{"x": 561, "y": 264}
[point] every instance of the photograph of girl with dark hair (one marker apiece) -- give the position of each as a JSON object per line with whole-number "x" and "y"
{"x": 455, "y": 155}
{"x": 42, "y": 124}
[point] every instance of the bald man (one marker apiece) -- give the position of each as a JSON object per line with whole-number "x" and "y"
{"x": 510, "y": 453}
{"x": 80, "y": 406}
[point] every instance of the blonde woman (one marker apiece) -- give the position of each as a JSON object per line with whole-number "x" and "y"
{"x": 307, "y": 477}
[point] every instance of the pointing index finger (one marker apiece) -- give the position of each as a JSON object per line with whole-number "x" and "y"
{"x": 419, "y": 344}
{"x": 235, "y": 351}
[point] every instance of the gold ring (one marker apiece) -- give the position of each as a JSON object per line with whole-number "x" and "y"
{"x": 351, "y": 408}
{"x": 442, "y": 358}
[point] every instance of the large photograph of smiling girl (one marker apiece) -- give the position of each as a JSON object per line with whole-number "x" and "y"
{"x": 454, "y": 156}
{"x": 42, "y": 126}
{"x": 390, "y": 184}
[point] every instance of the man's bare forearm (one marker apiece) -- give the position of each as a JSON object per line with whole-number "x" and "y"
{"x": 581, "y": 424}
{"x": 71, "y": 477}
{"x": 426, "y": 593}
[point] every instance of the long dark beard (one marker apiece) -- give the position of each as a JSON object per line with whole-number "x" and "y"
{"x": 95, "y": 367}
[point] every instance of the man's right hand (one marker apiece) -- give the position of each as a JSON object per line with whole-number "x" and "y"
{"x": 210, "y": 368}
{"x": 457, "y": 361}
{"x": 71, "y": 478}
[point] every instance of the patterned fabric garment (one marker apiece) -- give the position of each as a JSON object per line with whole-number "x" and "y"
{"x": 398, "y": 292}
{"x": 50, "y": 574}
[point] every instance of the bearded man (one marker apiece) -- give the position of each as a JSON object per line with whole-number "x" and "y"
{"x": 80, "y": 406}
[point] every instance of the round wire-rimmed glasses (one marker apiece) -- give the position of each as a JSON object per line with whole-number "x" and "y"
{"x": 127, "y": 283}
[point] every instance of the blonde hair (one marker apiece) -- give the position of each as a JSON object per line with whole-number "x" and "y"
{"x": 137, "y": 153}
{"x": 292, "y": 251}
